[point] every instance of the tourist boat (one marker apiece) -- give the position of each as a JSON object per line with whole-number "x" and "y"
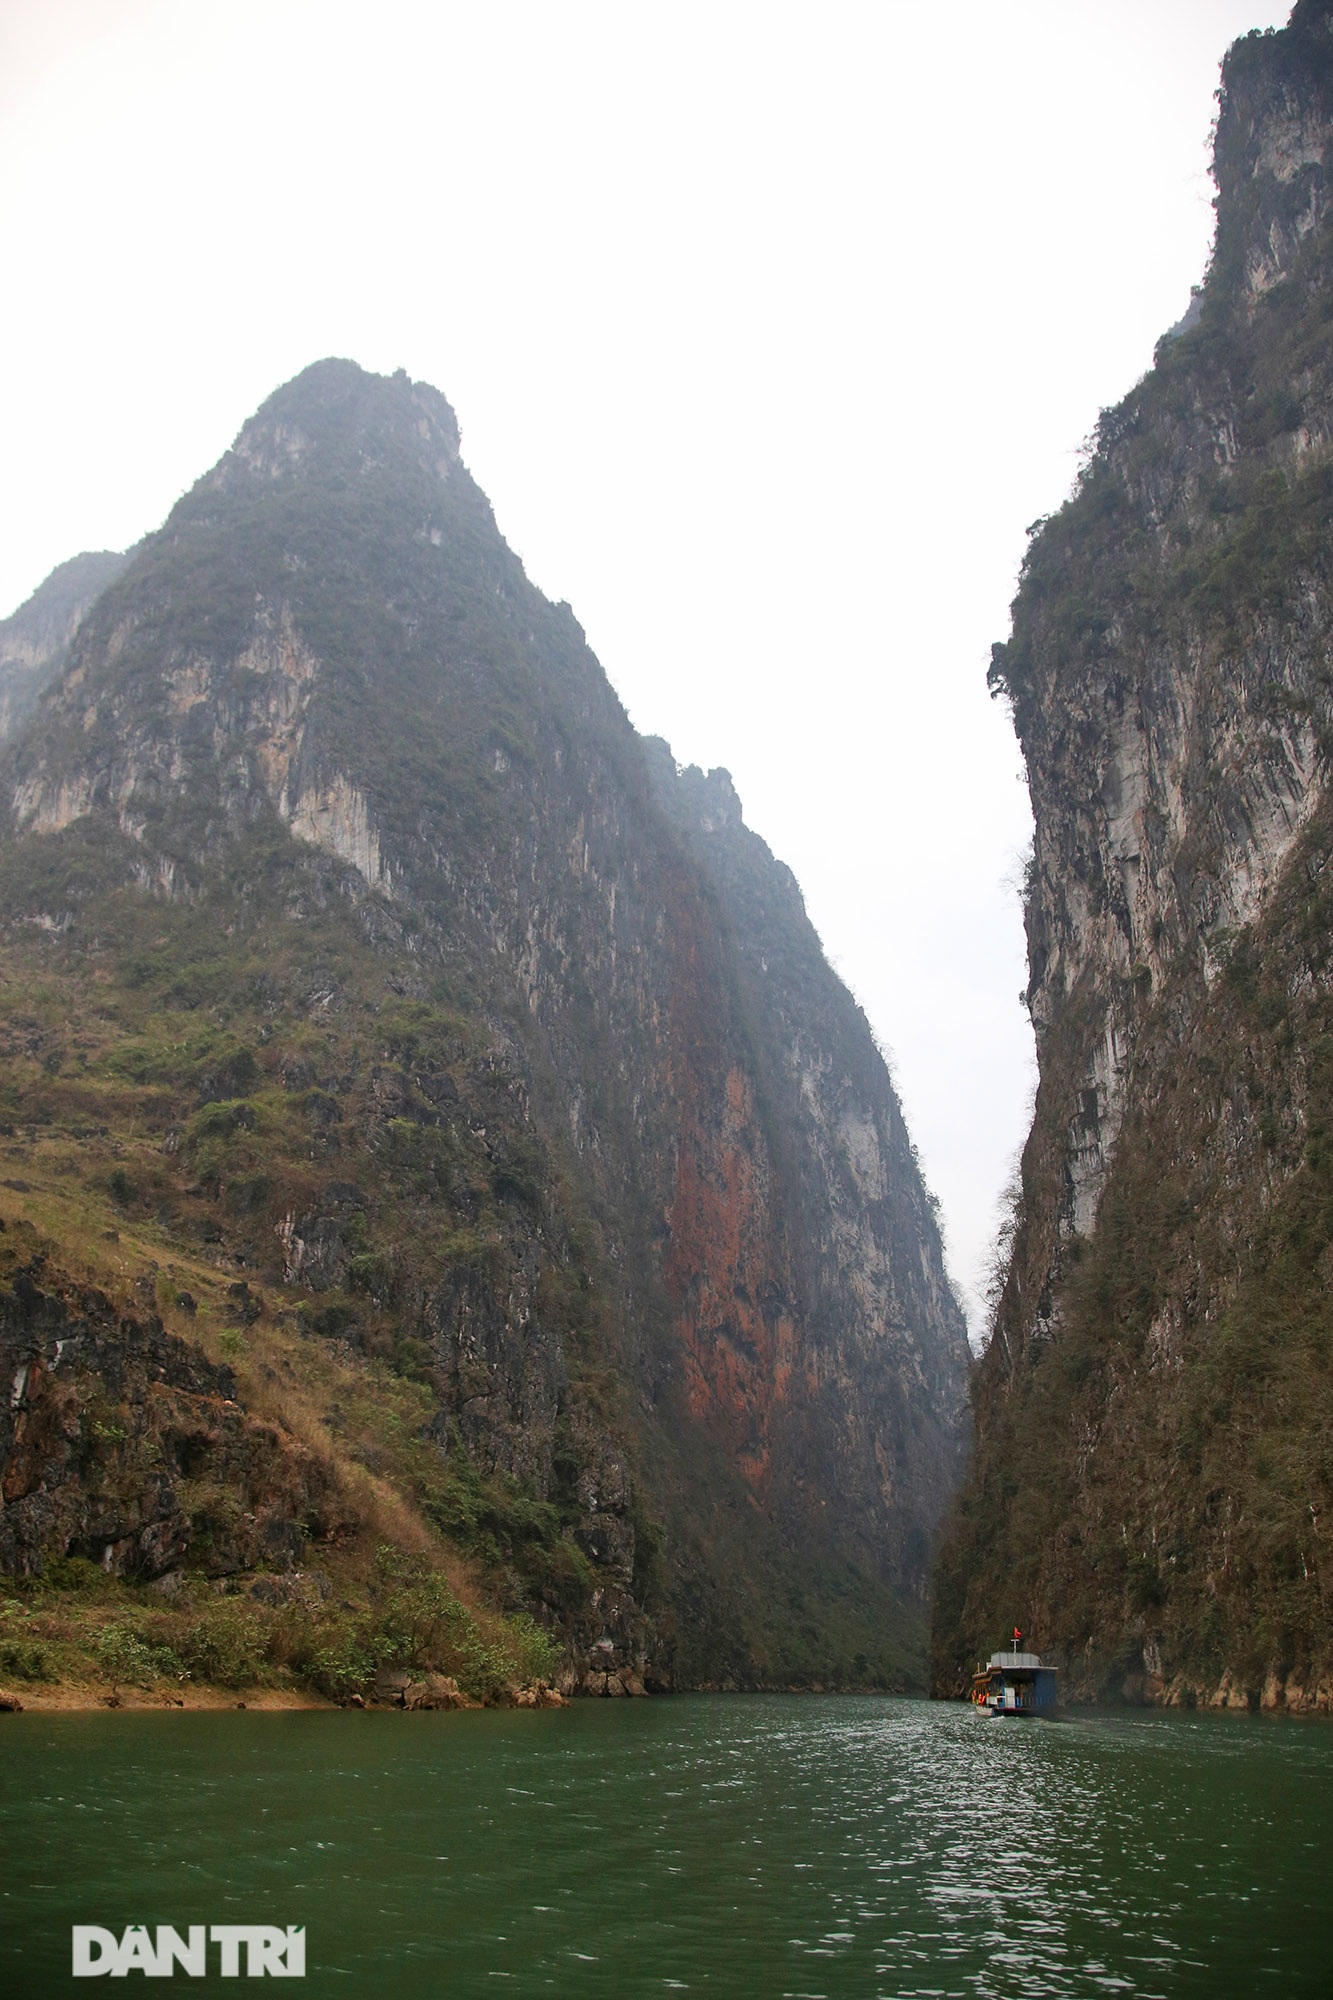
{"x": 1014, "y": 1683}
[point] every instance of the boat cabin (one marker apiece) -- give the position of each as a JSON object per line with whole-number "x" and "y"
{"x": 1014, "y": 1684}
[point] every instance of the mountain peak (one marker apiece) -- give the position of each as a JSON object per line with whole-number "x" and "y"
{"x": 534, "y": 1082}
{"x": 336, "y": 417}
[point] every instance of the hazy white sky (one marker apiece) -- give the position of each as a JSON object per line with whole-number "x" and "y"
{"x": 769, "y": 328}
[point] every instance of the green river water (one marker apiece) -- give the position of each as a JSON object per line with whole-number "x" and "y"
{"x": 739, "y": 1847}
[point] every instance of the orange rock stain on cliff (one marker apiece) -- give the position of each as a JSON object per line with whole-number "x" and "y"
{"x": 726, "y": 1263}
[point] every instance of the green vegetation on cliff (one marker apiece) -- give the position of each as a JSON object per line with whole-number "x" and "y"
{"x": 1156, "y": 1464}
{"x": 1152, "y": 1480}
{"x": 375, "y": 1019}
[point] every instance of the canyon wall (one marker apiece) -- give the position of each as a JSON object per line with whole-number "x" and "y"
{"x": 1152, "y": 1475}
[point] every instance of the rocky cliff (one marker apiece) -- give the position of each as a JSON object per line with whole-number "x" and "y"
{"x": 1153, "y": 1476}
{"x": 34, "y": 639}
{"x": 354, "y": 942}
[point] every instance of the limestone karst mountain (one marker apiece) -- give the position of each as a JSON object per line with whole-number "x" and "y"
{"x": 1153, "y": 1479}
{"x": 430, "y": 1122}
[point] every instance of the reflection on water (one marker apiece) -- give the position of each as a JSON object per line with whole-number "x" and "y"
{"x": 743, "y": 1848}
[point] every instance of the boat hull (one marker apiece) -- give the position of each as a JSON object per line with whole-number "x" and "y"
{"x": 1014, "y": 1684}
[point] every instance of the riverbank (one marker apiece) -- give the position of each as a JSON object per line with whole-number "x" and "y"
{"x": 376, "y": 1628}
{"x": 68, "y": 1696}
{"x": 1229, "y": 1691}
{"x": 434, "y": 1691}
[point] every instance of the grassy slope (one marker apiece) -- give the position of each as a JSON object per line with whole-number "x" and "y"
{"x": 149, "y": 1146}
{"x": 178, "y": 1079}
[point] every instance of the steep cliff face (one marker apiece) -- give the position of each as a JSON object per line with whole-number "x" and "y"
{"x": 446, "y": 1013}
{"x": 33, "y": 640}
{"x": 1152, "y": 1478}
{"x": 862, "y": 1272}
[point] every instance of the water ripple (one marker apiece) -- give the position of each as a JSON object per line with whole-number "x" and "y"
{"x": 742, "y": 1849}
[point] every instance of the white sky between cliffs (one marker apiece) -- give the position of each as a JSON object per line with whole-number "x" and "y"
{"x": 769, "y": 329}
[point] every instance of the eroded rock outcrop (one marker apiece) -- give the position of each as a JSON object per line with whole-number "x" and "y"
{"x": 121, "y": 1444}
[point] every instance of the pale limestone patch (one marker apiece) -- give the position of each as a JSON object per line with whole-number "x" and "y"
{"x": 1290, "y": 145}
{"x": 285, "y": 672}
{"x": 274, "y": 451}
{"x": 860, "y": 1142}
{"x": 187, "y": 685}
{"x": 336, "y": 818}
{"x": 43, "y": 807}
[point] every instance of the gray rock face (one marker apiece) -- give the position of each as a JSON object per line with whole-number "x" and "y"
{"x": 34, "y": 639}
{"x": 866, "y": 1274}
{"x": 670, "y": 1264}
{"x": 1168, "y": 670}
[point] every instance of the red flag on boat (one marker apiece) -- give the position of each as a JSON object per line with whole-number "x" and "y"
{"x": 1018, "y": 1638}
